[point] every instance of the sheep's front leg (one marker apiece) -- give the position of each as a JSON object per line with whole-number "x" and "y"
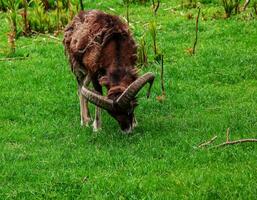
{"x": 97, "y": 124}
{"x": 84, "y": 111}
{"x": 97, "y": 121}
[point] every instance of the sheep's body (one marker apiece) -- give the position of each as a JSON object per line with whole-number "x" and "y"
{"x": 96, "y": 41}
{"x": 100, "y": 49}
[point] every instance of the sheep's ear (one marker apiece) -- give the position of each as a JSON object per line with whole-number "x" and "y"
{"x": 104, "y": 81}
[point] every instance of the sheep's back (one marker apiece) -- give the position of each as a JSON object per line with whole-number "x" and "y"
{"x": 87, "y": 34}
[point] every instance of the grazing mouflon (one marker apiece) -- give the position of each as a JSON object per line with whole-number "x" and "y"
{"x": 101, "y": 50}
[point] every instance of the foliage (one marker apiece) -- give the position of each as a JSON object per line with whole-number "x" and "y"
{"x": 142, "y": 52}
{"x": 41, "y": 17}
{"x": 153, "y": 33}
{"x": 3, "y": 5}
{"x": 229, "y": 6}
{"x": 255, "y": 7}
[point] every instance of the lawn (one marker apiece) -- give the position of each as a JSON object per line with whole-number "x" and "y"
{"x": 46, "y": 154}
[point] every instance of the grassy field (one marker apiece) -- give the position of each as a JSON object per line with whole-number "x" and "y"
{"x": 46, "y": 154}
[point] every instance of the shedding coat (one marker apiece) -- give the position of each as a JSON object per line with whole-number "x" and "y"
{"x": 87, "y": 41}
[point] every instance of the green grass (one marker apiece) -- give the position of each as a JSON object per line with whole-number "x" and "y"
{"x": 46, "y": 154}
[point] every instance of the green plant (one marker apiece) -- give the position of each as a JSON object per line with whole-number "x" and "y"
{"x": 229, "y": 6}
{"x": 255, "y": 7}
{"x": 12, "y": 16}
{"x": 46, "y": 4}
{"x": 3, "y": 5}
{"x": 25, "y": 19}
{"x": 142, "y": 52}
{"x": 38, "y": 19}
{"x": 81, "y": 4}
{"x": 153, "y": 33}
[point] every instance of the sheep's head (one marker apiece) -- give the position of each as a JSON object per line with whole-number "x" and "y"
{"x": 121, "y": 103}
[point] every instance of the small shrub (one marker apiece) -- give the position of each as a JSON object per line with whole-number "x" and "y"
{"x": 142, "y": 52}
{"x": 3, "y": 5}
{"x": 229, "y": 6}
{"x": 12, "y": 17}
{"x": 153, "y": 33}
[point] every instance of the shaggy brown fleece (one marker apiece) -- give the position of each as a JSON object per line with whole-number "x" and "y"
{"x": 101, "y": 45}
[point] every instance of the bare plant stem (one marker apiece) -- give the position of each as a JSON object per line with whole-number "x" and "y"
{"x": 11, "y": 41}
{"x": 156, "y": 7}
{"x": 46, "y": 4}
{"x": 127, "y": 5}
{"x": 228, "y": 131}
{"x": 58, "y": 15}
{"x": 246, "y": 4}
{"x": 162, "y": 80}
{"x": 81, "y": 4}
{"x": 196, "y": 29}
{"x": 25, "y": 20}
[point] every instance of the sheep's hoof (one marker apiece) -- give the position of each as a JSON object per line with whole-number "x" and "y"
{"x": 85, "y": 122}
{"x": 96, "y": 126}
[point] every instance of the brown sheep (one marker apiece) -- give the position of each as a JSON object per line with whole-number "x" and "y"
{"x": 101, "y": 50}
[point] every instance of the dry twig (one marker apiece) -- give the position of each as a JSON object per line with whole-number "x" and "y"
{"x": 228, "y": 142}
{"x": 234, "y": 142}
{"x": 207, "y": 142}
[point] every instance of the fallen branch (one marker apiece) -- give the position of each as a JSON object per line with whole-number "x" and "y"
{"x": 228, "y": 142}
{"x": 207, "y": 142}
{"x": 234, "y": 142}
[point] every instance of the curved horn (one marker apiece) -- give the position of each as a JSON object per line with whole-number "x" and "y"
{"x": 134, "y": 88}
{"x": 97, "y": 99}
